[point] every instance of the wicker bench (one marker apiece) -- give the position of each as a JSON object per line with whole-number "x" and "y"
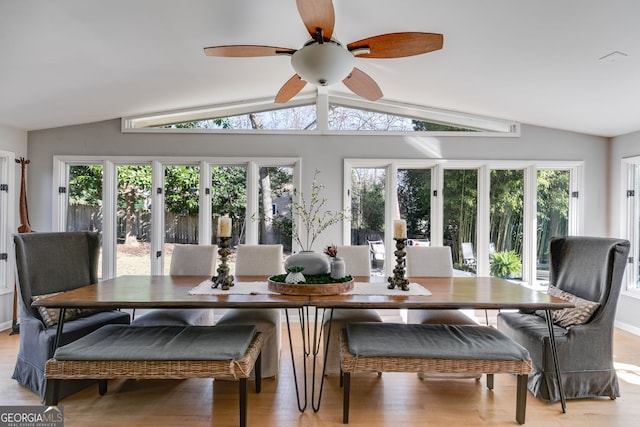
{"x": 159, "y": 352}
{"x": 454, "y": 349}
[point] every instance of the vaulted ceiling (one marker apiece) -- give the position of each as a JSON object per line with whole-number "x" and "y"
{"x": 537, "y": 62}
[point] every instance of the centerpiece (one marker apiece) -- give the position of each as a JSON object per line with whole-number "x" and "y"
{"x": 310, "y": 272}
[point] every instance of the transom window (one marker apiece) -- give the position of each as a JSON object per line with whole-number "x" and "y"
{"x": 320, "y": 114}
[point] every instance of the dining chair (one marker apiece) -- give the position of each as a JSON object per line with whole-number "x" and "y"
{"x": 186, "y": 260}
{"x": 434, "y": 261}
{"x": 358, "y": 264}
{"x": 259, "y": 260}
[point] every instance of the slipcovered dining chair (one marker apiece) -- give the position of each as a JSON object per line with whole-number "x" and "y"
{"x": 50, "y": 263}
{"x": 187, "y": 260}
{"x": 358, "y": 264}
{"x": 260, "y": 260}
{"x": 433, "y": 261}
{"x": 587, "y": 271}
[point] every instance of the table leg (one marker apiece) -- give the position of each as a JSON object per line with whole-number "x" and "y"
{"x": 554, "y": 354}
{"x": 56, "y": 341}
{"x": 311, "y": 342}
{"x": 316, "y": 405}
{"x": 301, "y": 405}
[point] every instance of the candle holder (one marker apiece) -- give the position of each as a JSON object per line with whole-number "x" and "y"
{"x": 224, "y": 279}
{"x": 398, "y": 278}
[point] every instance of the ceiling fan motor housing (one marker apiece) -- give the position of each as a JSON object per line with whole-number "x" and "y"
{"x": 324, "y": 63}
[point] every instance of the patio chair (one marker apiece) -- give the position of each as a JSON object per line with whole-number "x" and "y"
{"x": 468, "y": 257}
{"x": 377, "y": 250}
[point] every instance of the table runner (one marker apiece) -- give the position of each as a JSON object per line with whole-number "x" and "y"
{"x": 258, "y": 288}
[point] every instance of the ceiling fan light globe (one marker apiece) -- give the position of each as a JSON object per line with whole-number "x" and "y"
{"x": 323, "y": 64}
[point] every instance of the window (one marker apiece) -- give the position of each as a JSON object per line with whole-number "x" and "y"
{"x": 492, "y": 213}
{"x": 143, "y": 206}
{"x": 7, "y": 167}
{"x": 632, "y": 220}
{"x": 322, "y": 114}
{"x": 552, "y": 215}
{"x": 84, "y": 209}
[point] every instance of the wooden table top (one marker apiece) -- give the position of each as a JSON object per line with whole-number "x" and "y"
{"x": 173, "y": 292}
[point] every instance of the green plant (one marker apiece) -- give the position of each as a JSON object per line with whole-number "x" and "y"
{"x": 505, "y": 264}
{"x": 314, "y": 219}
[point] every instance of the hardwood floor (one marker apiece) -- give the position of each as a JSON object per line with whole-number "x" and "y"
{"x": 392, "y": 400}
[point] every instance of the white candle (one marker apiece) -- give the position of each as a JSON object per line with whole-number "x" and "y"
{"x": 399, "y": 229}
{"x": 224, "y": 226}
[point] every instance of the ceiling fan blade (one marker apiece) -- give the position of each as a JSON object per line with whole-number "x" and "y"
{"x": 397, "y": 45}
{"x": 290, "y": 89}
{"x": 317, "y": 14}
{"x": 246, "y": 51}
{"x": 363, "y": 85}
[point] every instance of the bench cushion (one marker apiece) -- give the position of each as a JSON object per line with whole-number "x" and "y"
{"x": 121, "y": 342}
{"x": 432, "y": 341}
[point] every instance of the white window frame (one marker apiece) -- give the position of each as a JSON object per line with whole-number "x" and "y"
{"x": 484, "y": 167}
{"x": 110, "y": 194}
{"x": 486, "y": 126}
{"x": 629, "y": 221}
{"x": 7, "y": 221}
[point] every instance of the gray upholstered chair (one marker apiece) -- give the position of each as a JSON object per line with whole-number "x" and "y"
{"x": 49, "y": 263}
{"x": 186, "y": 260}
{"x": 357, "y": 259}
{"x": 590, "y": 268}
{"x": 260, "y": 260}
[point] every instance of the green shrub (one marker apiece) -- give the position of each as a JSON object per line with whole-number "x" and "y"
{"x": 505, "y": 264}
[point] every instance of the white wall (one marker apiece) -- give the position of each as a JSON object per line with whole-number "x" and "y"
{"x": 13, "y": 141}
{"x": 621, "y": 147}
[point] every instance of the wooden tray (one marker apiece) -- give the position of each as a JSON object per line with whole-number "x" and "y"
{"x": 301, "y": 289}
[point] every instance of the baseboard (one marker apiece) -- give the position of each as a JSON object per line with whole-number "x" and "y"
{"x": 627, "y": 327}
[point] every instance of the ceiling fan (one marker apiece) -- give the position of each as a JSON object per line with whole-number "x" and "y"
{"x": 324, "y": 61}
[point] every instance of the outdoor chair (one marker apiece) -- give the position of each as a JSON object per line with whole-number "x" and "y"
{"x": 587, "y": 271}
{"x": 468, "y": 257}
{"x": 377, "y": 250}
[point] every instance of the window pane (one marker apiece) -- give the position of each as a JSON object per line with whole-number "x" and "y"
{"x": 275, "y": 191}
{"x": 506, "y": 228}
{"x": 84, "y": 212}
{"x": 352, "y": 119}
{"x": 552, "y": 215}
{"x": 637, "y": 221}
{"x": 460, "y": 198}
{"x": 134, "y": 220}
{"x": 414, "y": 200}
{"x": 181, "y": 203}
{"x": 295, "y": 118}
{"x": 229, "y": 197}
{"x": 367, "y": 213}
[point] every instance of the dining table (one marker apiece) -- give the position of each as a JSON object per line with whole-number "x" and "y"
{"x": 435, "y": 293}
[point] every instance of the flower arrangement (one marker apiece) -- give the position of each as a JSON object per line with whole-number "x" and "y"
{"x": 331, "y": 251}
{"x": 314, "y": 219}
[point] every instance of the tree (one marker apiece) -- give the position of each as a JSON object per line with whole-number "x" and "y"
{"x": 134, "y": 187}
{"x": 414, "y": 199}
